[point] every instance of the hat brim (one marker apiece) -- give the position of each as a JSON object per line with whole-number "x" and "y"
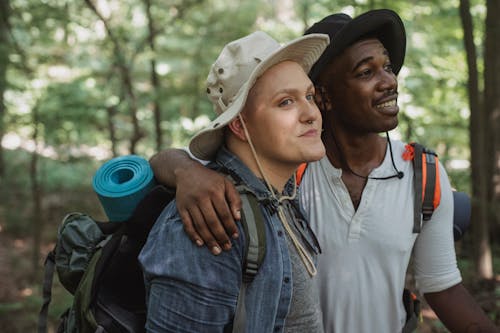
{"x": 305, "y": 50}
{"x": 383, "y": 24}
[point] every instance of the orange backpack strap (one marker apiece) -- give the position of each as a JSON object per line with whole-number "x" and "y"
{"x": 426, "y": 183}
{"x": 299, "y": 173}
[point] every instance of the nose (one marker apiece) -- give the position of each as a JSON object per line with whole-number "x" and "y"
{"x": 310, "y": 112}
{"x": 387, "y": 80}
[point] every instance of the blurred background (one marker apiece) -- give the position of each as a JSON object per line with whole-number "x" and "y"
{"x": 84, "y": 81}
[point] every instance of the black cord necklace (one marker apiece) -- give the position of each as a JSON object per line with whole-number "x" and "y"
{"x": 398, "y": 174}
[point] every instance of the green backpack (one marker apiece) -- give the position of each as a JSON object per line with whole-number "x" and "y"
{"x": 97, "y": 263}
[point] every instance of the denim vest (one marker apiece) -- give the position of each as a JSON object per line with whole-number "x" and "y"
{"x": 191, "y": 290}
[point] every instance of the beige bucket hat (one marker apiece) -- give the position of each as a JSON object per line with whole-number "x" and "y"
{"x": 236, "y": 70}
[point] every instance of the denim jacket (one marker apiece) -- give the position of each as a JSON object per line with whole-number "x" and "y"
{"x": 191, "y": 290}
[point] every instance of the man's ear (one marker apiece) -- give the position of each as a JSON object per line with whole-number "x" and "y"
{"x": 236, "y": 127}
{"x": 322, "y": 99}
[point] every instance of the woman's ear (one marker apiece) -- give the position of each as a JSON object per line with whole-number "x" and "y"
{"x": 236, "y": 127}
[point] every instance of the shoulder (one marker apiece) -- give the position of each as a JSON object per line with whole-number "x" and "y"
{"x": 170, "y": 253}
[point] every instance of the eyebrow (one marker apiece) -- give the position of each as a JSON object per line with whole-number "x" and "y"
{"x": 290, "y": 91}
{"x": 367, "y": 59}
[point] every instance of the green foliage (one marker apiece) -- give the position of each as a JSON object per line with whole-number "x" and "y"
{"x": 70, "y": 114}
{"x": 71, "y": 65}
{"x": 67, "y": 72}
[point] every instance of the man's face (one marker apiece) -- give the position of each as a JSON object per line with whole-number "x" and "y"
{"x": 363, "y": 89}
{"x": 282, "y": 118}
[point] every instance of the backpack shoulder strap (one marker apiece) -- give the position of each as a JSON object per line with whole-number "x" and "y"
{"x": 427, "y": 185}
{"x": 255, "y": 250}
{"x": 50, "y": 264}
{"x": 254, "y": 227}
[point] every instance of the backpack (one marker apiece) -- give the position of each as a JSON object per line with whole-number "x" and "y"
{"x": 97, "y": 263}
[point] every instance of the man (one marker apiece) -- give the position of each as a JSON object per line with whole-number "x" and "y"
{"x": 359, "y": 198}
{"x": 268, "y": 124}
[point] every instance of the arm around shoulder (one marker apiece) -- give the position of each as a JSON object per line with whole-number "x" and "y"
{"x": 168, "y": 163}
{"x": 207, "y": 202}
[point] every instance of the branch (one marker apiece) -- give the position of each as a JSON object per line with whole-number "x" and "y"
{"x": 5, "y": 9}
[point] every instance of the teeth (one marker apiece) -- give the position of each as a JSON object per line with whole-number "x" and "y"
{"x": 386, "y": 104}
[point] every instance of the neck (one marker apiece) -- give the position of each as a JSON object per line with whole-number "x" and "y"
{"x": 360, "y": 153}
{"x": 277, "y": 174}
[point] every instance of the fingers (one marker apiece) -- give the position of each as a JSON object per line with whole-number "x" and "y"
{"x": 215, "y": 227}
{"x": 208, "y": 204}
{"x": 189, "y": 227}
{"x": 230, "y": 214}
{"x": 203, "y": 226}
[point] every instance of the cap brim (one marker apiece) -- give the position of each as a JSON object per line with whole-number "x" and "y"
{"x": 384, "y": 24}
{"x": 304, "y": 50}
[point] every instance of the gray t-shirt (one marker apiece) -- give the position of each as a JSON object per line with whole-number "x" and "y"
{"x": 304, "y": 314}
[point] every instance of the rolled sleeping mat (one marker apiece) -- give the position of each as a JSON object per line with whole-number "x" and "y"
{"x": 121, "y": 183}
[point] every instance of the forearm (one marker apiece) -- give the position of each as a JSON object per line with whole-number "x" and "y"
{"x": 459, "y": 312}
{"x": 169, "y": 163}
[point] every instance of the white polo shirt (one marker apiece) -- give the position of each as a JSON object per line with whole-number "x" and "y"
{"x": 361, "y": 272}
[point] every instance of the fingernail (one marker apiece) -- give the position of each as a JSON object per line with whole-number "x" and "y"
{"x": 216, "y": 250}
{"x": 227, "y": 246}
{"x": 199, "y": 242}
{"x": 238, "y": 215}
{"x": 235, "y": 235}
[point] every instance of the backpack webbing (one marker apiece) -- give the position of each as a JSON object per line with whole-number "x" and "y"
{"x": 255, "y": 250}
{"x": 255, "y": 247}
{"x": 426, "y": 182}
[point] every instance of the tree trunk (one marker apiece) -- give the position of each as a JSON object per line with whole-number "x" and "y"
{"x": 155, "y": 82}
{"x": 492, "y": 107}
{"x": 479, "y": 157}
{"x": 111, "y": 111}
{"x": 126, "y": 77}
{"x": 36, "y": 195}
{"x": 4, "y": 61}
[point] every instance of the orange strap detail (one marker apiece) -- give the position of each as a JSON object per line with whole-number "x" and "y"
{"x": 300, "y": 172}
{"x": 424, "y": 176}
{"x": 437, "y": 188}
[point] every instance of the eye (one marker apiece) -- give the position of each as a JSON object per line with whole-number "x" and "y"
{"x": 285, "y": 102}
{"x": 310, "y": 97}
{"x": 364, "y": 73}
{"x": 388, "y": 68}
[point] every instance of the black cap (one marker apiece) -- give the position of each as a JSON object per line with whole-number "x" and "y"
{"x": 344, "y": 31}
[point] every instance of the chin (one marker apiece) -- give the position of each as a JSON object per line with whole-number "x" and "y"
{"x": 314, "y": 154}
{"x": 389, "y": 126}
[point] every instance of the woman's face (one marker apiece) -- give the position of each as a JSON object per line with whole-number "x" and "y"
{"x": 282, "y": 118}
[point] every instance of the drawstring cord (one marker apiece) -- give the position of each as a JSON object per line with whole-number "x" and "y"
{"x": 399, "y": 174}
{"x": 304, "y": 255}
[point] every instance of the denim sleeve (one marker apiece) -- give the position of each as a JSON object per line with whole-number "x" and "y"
{"x": 175, "y": 306}
{"x": 189, "y": 289}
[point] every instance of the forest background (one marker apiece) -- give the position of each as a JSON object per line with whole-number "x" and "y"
{"x": 84, "y": 81}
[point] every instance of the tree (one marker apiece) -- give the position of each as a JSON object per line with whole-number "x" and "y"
{"x": 4, "y": 62}
{"x": 480, "y": 146}
{"x": 492, "y": 110}
{"x": 154, "y": 76}
{"x": 123, "y": 67}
